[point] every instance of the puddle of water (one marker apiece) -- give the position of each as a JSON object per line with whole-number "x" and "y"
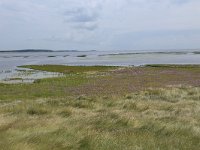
{"x": 24, "y": 75}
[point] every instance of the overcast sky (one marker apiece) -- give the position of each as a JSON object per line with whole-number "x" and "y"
{"x": 99, "y": 24}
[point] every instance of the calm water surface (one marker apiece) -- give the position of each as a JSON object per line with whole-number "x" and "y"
{"x": 10, "y": 60}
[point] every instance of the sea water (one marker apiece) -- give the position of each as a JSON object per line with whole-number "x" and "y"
{"x": 10, "y": 60}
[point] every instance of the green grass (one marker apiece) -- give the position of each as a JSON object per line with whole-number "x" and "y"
{"x": 15, "y": 79}
{"x": 68, "y": 69}
{"x": 50, "y": 87}
{"x": 172, "y": 66}
{"x": 111, "y": 108}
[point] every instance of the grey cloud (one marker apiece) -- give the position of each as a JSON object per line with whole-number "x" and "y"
{"x": 84, "y": 17}
{"x": 90, "y": 26}
{"x": 56, "y": 39}
{"x": 81, "y": 15}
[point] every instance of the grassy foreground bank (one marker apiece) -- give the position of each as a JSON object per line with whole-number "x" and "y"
{"x": 151, "y": 107}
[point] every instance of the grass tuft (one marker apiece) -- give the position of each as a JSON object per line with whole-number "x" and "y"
{"x": 36, "y": 111}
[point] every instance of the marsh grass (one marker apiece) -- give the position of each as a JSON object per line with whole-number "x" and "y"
{"x": 68, "y": 69}
{"x": 141, "y": 121}
{"x": 66, "y": 113}
{"x": 102, "y": 81}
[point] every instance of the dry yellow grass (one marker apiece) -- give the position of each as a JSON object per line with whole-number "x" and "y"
{"x": 152, "y": 119}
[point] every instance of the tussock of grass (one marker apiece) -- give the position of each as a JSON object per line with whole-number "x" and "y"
{"x": 65, "y": 113}
{"x": 36, "y": 111}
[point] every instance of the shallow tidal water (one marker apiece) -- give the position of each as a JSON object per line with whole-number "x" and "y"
{"x": 10, "y": 73}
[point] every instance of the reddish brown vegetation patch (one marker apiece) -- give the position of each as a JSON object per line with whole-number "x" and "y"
{"x": 133, "y": 79}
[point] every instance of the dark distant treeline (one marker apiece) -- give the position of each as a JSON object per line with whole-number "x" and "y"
{"x": 37, "y": 50}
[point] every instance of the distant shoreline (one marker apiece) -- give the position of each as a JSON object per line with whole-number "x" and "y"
{"x": 112, "y": 53}
{"x": 41, "y": 50}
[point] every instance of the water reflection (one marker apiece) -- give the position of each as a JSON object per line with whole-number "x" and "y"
{"x": 25, "y": 75}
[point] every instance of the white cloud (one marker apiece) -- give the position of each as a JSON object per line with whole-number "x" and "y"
{"x": 98, "y": 24}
